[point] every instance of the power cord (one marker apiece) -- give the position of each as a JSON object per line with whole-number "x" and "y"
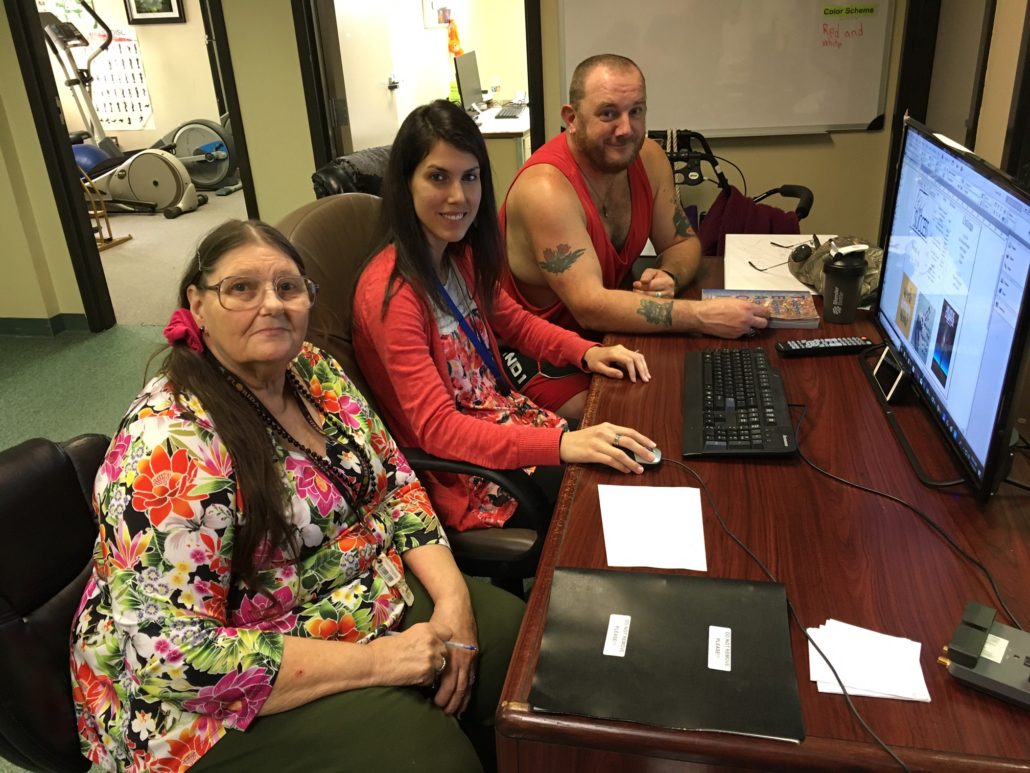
{"x": 926, "y": 519}
{"x": 790, "y": 608}
{"x": 740, "y": 171}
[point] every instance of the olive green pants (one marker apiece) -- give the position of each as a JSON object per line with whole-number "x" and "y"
{"x": 388, "y": 728}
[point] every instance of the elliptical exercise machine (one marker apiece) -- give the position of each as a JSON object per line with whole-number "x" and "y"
{"x": 163, "y": 178}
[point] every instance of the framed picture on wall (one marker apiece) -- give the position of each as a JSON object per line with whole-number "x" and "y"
{"x": 436, "y": 13}
{"x": 155, "y": 11}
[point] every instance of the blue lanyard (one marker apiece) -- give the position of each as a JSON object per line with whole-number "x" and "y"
{"x": 483, "y": 350}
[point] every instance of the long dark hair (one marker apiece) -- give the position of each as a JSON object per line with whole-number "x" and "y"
{"x": 422, "y": 129}
{"x": 244, "y": 432}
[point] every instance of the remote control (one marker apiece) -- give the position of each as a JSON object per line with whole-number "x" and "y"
{"x": 817, "y": 347}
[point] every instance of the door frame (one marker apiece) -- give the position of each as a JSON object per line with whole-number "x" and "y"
{"x": 34, "y": 62}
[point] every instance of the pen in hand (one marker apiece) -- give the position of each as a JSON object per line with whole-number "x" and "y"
{"x": 458, "y": 645}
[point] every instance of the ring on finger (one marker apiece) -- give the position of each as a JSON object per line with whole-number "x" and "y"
{"x": 658, "y": 294}
{"x": 615, "y": 441}
{"x": 443, "y": 665}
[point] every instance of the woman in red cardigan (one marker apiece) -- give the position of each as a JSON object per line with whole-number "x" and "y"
{"x": 428, "y": 310}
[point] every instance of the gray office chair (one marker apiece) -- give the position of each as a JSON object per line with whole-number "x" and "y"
{"x": 335, "y": 235}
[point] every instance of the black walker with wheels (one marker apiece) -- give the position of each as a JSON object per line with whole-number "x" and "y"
{"x": 732, "y": 211}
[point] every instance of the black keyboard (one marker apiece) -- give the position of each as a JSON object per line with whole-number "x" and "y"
{"x": 511, "y": 110}
{"x": 734, "y": 404}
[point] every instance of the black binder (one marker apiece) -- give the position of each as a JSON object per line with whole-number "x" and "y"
{"x": 676, "y": 632}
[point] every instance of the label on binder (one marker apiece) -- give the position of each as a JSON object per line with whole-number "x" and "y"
{"x": 618, "y": 636}
{"x": 720, "y": 649}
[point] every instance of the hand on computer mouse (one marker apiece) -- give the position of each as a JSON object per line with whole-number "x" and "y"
{"x": 609, "y": 444}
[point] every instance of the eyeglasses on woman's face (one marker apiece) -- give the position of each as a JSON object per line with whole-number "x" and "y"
{"x": 241, "y": 293}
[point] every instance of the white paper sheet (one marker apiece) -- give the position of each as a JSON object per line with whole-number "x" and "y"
{"x": 760, "y": 250}
{"x": 869, "y": 663}
{"x": 657, "y": 526}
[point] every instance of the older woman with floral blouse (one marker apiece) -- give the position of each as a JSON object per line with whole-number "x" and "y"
{"x": 260, "y": 539}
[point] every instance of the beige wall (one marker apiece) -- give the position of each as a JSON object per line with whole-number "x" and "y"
{"x": 275, "y": 119}
{"x": 1000, "y": 80}
{"x": 38, "y": 279}
{"x": 954, "y": 72}
{"x": 497, "y": 33}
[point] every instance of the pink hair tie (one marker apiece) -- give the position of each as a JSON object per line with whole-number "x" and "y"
{"x": 182, "y": 327}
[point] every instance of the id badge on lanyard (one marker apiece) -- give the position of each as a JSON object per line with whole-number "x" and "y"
{"x": 393, "y": 577}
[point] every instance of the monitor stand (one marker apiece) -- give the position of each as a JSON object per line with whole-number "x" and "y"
{"x": 887, "y": 379}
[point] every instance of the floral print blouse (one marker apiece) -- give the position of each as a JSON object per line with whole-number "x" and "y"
{"x": 170, "y": 650}
{"x": 476, "y": 394}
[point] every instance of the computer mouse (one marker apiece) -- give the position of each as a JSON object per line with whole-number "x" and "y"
{"x": 800, "y": 253}
{"x": 649, "y": 463}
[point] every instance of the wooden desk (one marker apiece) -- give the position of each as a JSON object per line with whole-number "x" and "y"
{"x": 841, "y": 553}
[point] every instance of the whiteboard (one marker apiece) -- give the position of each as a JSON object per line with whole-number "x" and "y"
{"x": 742, "y": 67}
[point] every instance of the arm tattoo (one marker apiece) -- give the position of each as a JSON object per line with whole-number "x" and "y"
{"x": 559, "y": 259}
{"x": 655, "y": 312}
{"x": 679, "y": 219}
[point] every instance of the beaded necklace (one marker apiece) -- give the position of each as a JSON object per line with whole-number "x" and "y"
{"x": 354, "y": 492}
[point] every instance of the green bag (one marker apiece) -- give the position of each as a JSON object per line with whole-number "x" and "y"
{"x": 810, "y": 269}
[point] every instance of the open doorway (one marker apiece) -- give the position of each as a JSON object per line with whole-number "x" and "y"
{"x": 155, "y": 76}
{"x": 139, "y": 82}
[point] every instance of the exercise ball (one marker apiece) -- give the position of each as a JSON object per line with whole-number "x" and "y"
{"x": 88, "y": 156}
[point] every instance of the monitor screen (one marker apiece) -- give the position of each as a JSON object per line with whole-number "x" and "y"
{"x": 466, "y": 73}
{"x": 954, "y": 296}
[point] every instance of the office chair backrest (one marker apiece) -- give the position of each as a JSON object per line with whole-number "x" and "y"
{"x": 358, "y": 172}
{"x": 49, "y": 530}
{"x": 334, "y": 236}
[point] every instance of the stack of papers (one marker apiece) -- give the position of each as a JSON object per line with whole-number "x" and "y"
{"x": 869, "y": 663}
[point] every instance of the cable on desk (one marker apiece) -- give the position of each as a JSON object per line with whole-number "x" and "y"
{"x": 793, "y": 613}
{"x": 925, "y": 518}
{"x": 1017, "y": 484}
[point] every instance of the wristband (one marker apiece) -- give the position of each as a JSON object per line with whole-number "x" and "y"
{"x": 672, "y": 276}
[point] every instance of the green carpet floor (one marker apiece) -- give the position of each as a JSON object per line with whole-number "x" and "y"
{"x": 72, "y": 383}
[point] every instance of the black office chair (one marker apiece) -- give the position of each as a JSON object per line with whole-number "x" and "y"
{"x": 358, "y": 172}
{"x": 334, "y": 236}
{"x": 49, "y": 530}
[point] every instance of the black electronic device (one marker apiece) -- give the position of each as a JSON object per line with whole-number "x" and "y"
{"x": 954, "y": 304}
{"x": 889, "y": 375}
{"x": 989, "y": 656}
{"x": 821, "y": 347}
{"x": 466, "y": 73}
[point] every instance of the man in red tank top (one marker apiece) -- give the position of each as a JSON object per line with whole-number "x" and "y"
{"x": 578, "y": 215}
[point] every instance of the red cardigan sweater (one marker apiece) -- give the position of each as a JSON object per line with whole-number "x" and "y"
{"x": 402, "y": 360}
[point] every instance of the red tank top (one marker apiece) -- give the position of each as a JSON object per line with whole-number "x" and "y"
{"x": 615, "y": 264}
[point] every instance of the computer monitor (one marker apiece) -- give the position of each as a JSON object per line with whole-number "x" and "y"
{"x": 466, "y": 73}
{"x": 954, "y": 295}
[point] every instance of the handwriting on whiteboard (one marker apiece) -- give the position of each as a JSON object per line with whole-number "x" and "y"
{"x": 846, "y": 24}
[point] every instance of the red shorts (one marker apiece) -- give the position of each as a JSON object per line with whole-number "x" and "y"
{"x": 546, "y": 385}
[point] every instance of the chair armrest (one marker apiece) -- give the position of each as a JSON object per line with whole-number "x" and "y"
{"x": 531, "y": 501}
